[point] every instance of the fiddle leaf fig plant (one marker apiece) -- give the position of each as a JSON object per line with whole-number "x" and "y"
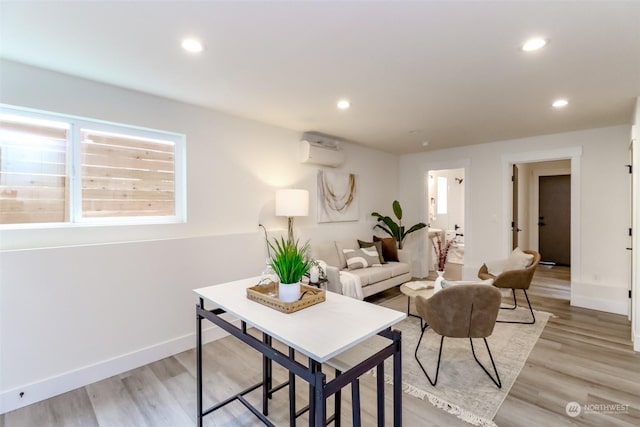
{"x": 393, "y": 228}
{"x": 290, "y": 261}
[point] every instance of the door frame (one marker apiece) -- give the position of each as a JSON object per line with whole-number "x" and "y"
{"x": 575, "y": 155}
{"x": 465, "y": 164}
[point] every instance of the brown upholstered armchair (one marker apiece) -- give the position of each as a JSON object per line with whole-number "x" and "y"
{"x": 461, "y": 311}
{"x": 514, "y": 279}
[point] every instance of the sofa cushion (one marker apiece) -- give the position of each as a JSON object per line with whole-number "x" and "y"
{"x": 389, "y": 248}
{"x": 398, "y": 268}
{"x": 372, "y": 275}
{"x": 377, "y": 245}
{"x": 326, "y": 252}
{"x": 361, "y": 258}
{"x": 340, "y": 246}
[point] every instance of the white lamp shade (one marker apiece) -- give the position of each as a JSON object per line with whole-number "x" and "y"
{"x": 292, "y": 202}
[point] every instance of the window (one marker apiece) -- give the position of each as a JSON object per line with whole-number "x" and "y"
{"x": 60, "y": 169}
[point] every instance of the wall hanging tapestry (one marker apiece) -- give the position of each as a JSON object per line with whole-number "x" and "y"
{"x": 337, "y": 197}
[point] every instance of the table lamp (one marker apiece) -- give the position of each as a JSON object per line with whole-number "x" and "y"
{"x": 291, "y": 203}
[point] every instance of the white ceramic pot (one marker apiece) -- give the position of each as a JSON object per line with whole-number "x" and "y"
{"x": 438, "y": 283}
{"x": 288, "y": 292}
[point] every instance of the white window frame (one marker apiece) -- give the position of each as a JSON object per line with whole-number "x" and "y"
{"x": 74, "y": 169}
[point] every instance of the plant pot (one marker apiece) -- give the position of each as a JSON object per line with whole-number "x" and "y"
{"x": 288, "y": 292}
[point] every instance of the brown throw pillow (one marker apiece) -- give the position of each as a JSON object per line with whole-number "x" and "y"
{"x": 389, "y": 248}
{"x": 377, "y": 245}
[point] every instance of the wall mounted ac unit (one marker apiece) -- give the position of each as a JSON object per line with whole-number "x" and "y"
{"x": 320, "y": 150}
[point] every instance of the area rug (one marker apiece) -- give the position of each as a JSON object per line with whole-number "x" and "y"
{"x": 463, "y": 389}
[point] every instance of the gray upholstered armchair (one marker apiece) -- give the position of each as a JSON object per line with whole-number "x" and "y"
{"x": 514, "y": 279}
{"x": 461, "y": 311}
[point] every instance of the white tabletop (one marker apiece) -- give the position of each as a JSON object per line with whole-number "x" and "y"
{"x": 320, "y": 332}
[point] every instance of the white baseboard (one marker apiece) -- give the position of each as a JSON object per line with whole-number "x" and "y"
{"x": 596, "y": 296}
{"x": 601, "y": 304}
{"x": 636, "y": 343}
{"x": 53, "y": 386}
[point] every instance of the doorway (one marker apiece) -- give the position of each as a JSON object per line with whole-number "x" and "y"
{"x": 541, "y": 218}
{"x": 554, "y": 220}
{"x": 446, "y": 216}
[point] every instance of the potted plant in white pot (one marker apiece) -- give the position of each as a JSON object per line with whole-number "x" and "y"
{"x": 290, "y": 262}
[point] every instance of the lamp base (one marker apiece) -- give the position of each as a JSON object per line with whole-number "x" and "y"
{"x": 290, "y": 228}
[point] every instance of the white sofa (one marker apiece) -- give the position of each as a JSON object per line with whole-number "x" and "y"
{"x": 373, "y": 279}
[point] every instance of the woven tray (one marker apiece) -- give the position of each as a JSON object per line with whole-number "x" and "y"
{"x": 309, "y": 296}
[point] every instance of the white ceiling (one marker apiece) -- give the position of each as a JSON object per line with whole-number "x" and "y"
{"x": 447, "y": 72}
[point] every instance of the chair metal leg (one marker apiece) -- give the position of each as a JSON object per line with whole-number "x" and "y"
{"x": 415, "y": 354}
{"x": 515, "y": 303}
{"x": 495, "y": 380}
{"x": 533, "y": 316}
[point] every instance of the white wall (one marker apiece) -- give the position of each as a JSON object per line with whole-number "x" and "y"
{"x": 78, "y": 304}
{"x": 635, "y": 285}
{"x": 600, "y": 280}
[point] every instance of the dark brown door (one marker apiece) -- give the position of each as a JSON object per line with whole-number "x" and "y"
{"x": 554, "y": 221}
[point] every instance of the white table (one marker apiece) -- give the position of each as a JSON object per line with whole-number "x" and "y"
{"x": 320, "y": 332}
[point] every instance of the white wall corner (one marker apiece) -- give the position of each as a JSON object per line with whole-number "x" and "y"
{"x": 11, "y": 400}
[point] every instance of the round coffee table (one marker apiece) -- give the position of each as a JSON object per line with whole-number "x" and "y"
{"x": 412, "y": 293}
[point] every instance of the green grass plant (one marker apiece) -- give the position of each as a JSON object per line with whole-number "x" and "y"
{"x": 290, "y": 261}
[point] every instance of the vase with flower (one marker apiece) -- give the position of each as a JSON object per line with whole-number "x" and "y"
{"x": 442, "y": 252}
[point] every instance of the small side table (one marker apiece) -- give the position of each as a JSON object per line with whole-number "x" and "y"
{"x": 410, "y": 293}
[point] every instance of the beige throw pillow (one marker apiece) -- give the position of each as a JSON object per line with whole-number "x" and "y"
{"x": 361, "y": 258}
{"x": 377, "y": 245}
{"x": 517, "y": 260}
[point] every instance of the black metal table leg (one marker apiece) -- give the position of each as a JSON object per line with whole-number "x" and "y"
{"x": 320, "y": 406}
{"x": 380, "y": 391}
{"x": 314, "y": 368}
{"x": 266, "y": 376}
{"x": 292, "y": 391}
{"x": 199, "y": 364}
{"x": 409, "y": 314}
{"x": 397, "y": 380}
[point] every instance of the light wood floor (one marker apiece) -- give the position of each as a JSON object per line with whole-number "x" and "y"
{"x": 583, "y": 356}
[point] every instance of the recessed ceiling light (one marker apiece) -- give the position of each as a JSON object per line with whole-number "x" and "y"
{"x": 534, "y": 44}
{"x": 425, "y": 143}
{"x": 344, "y": 104}
{"x": 192, "y": 45}
{"x": 559, "y": 103}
